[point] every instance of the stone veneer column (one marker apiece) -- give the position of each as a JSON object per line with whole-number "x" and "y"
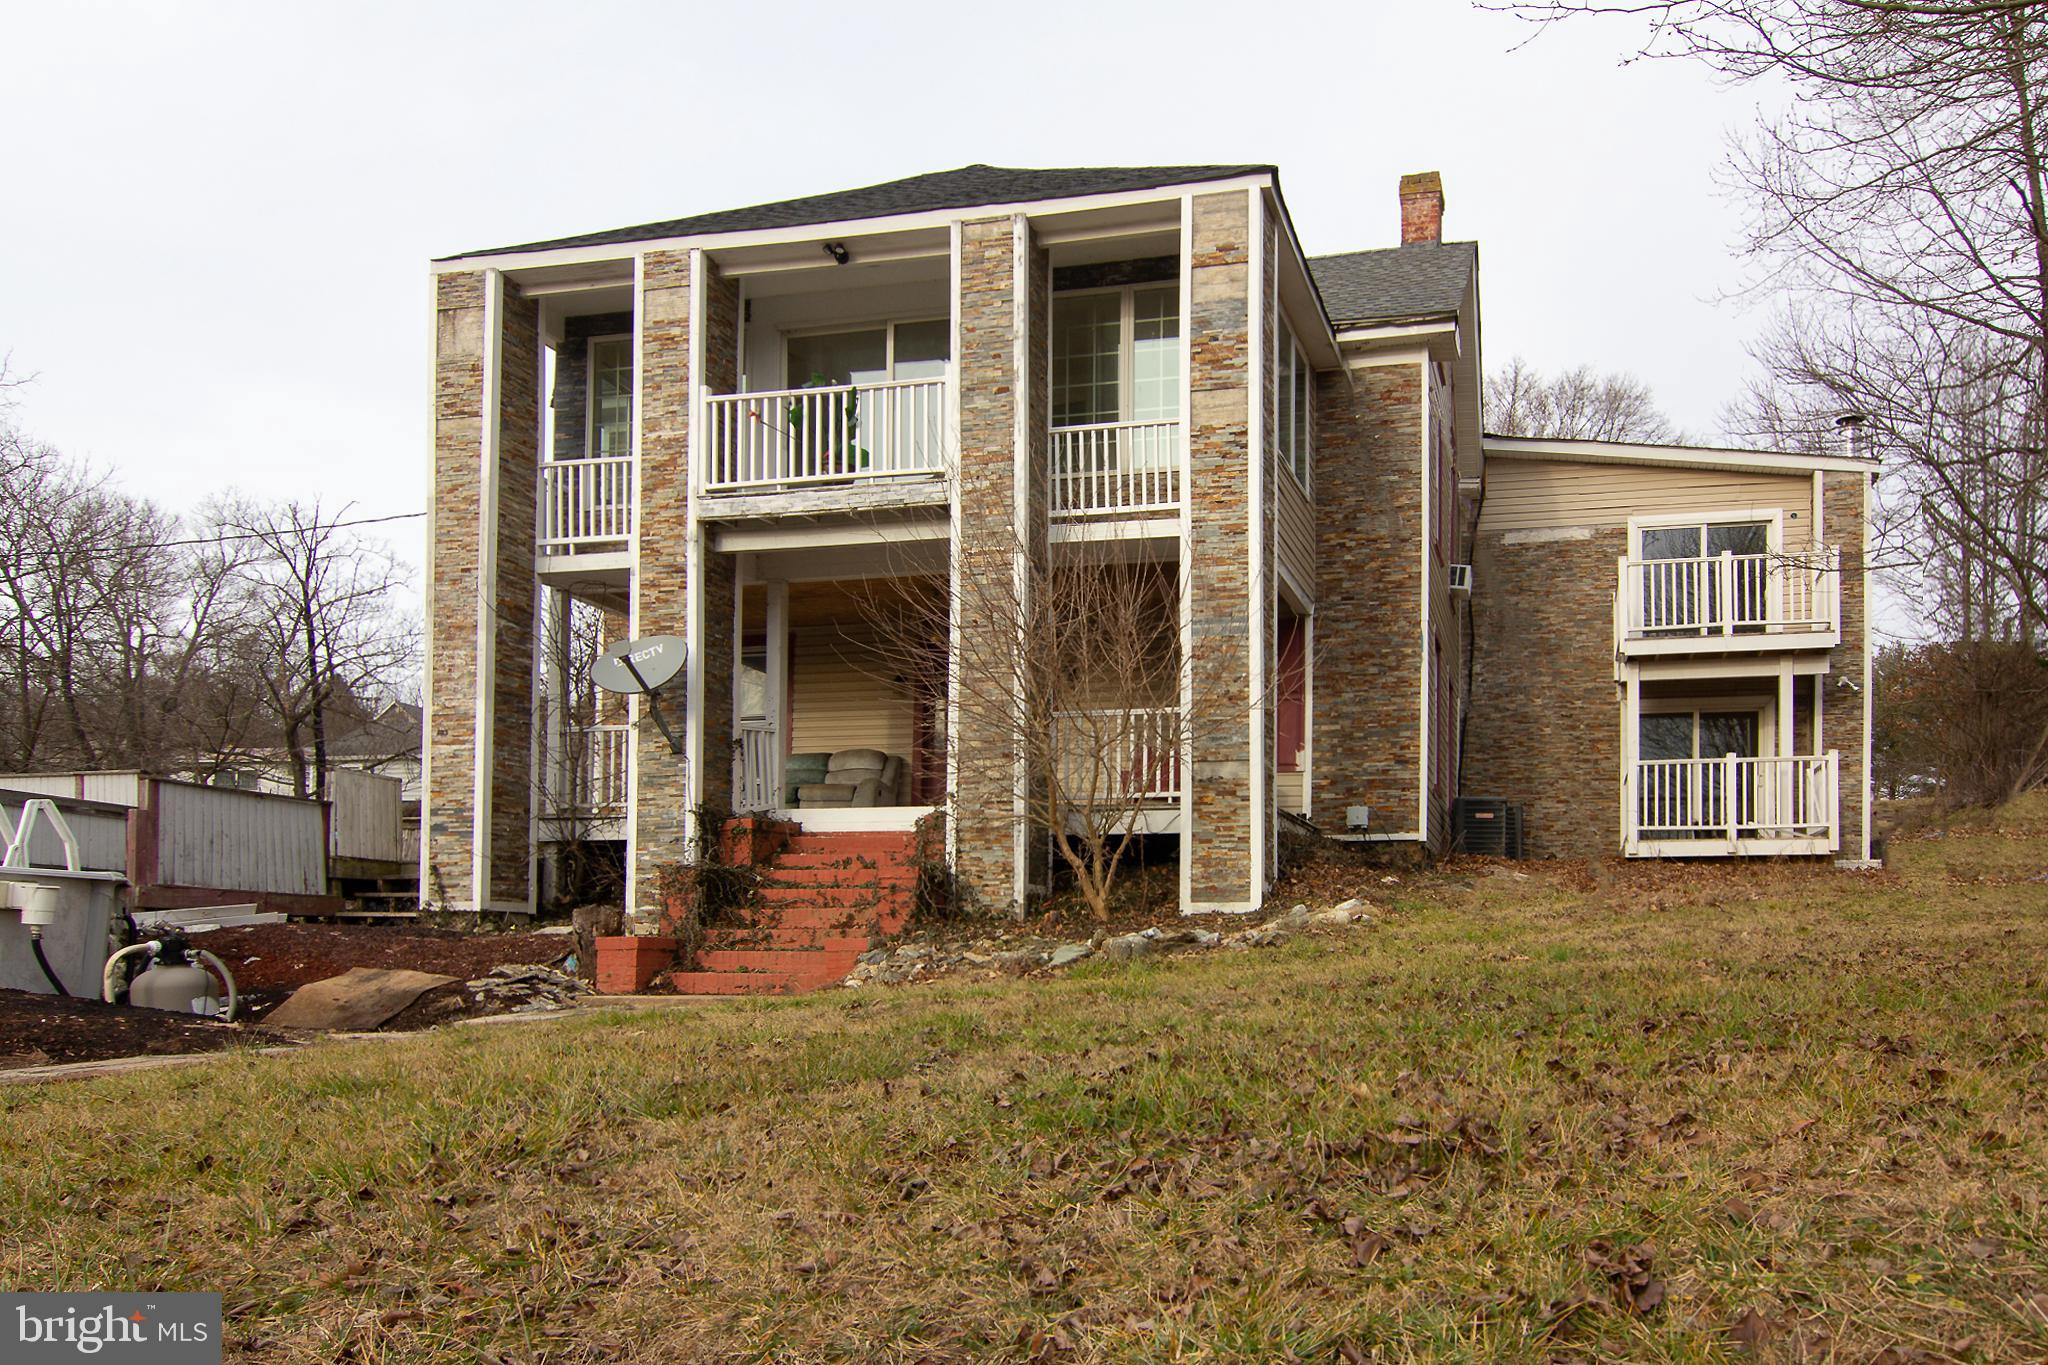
{"x": 661, "y": 797}
{"x": 1003, "y": 394}
{"x": 1844, "y": 524}
{"x": 1220, "y": 868}
{"x": 477, "y": 844}
{"x": 680, "y": 587}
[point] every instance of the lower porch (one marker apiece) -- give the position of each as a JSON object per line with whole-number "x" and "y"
{"x": 1728, "y": 764}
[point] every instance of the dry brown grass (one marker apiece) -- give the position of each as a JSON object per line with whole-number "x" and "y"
{"x": 1538, "y": 1112}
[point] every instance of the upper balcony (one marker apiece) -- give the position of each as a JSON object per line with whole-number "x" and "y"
{"x": 1115, "y": 469}
{"x": 1729, "y": 603}
{"x": 827, "y": 436}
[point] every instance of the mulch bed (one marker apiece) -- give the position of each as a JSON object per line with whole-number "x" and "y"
{"x": 39, "y": 1030}
{"x": 270, "y": 961}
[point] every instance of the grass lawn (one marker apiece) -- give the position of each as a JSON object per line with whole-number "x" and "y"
{"x": 1583, "y": 1113}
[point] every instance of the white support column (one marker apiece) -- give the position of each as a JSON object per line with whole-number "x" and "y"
{"x": 1187, "y": 539}
{"x": 487, "y": 593}
{"x": 695, "y": 553}
{"x": 1788, "y": 743}
{"x": 633, "y": 588}
{"x": 778, "y": 678}
{"x": 1260, "y": 609}
{"x": 555, "y": 780}
{"x": 1631, "y": 733}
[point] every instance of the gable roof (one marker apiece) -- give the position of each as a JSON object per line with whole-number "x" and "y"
{"x": 394, "y": 732}
{"x": 1425, "y": 279}
{"x": 961, "y": 188}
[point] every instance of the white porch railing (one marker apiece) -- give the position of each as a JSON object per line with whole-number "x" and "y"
{"x": 597, "y": 770}
{"x": 586, "y": 502}
{"x": 1740, "y": 804}
{"x": 1120, "y": 754}
{"x": 1115, "y": 467}
{"x": 1731, "y": 595}
{"x": 760, "y": 784}
{"x": 793, "y": 437}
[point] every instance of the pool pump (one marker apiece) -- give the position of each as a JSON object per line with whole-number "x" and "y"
{"x": 174, "y": 980}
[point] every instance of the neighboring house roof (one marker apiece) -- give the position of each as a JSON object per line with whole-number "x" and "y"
{"x": 962, "y": 188}
{"x": 1421, "y": 280}
{"x": 393, "y": 732}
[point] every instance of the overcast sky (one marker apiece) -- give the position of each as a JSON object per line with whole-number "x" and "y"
{"x": 219, "y": 217}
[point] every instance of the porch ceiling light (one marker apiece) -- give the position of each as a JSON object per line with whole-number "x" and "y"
{"x": 838, "y": 252}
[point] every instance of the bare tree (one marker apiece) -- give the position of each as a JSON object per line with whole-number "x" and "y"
{"x": 107, "y": 619}
{"x": 320, "y": 630}
{"x": 1072, "y": 689}
{"x": 1899, "y": 214}
{"x": 1576, "y": 404}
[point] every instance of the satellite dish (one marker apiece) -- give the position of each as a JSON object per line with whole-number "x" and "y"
{"x": 640, "y": 666}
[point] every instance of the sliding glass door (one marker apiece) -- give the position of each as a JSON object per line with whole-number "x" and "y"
{"x": 1678, "y": 797}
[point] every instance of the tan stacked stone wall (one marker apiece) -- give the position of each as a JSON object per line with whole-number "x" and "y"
{"x": 719, "y": 572}
{"x": 1370, "y": 539}
{"x": 1545, "y": 727}
{"x": 1842, "y": 524}
{"x": 1219, "y": 565}
{"x": 455, "y": 612}
{"x": 984, "y": 792}
{"x": 517, "y": 605}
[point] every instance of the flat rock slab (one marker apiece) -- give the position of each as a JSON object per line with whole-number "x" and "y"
{"x": 360, "y": 998}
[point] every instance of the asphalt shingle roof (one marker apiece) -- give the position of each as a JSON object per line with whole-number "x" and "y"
{"x": 962, "y": 188}
{"x": 1426, "y": 279}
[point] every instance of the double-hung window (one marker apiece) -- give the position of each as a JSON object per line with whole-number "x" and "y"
{"x": 611, "y": 396}
{"x": 1116, "y": 366}
{"x": 1293, "y": 389}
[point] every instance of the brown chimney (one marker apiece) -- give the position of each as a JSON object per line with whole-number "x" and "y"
{"x": 1422, "y": 208}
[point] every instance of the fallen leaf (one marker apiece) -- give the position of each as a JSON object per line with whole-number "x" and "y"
{"x": 1750, "y": 1331}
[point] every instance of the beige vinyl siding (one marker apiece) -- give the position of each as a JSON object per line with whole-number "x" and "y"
{"x": 841, "y": 696}
{"x": 1287, "y": 789}
{"x": 1537, "y": 495}
{"x": 1297, "y": 532}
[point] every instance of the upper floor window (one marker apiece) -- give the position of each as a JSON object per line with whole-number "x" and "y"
{"x": 1116, "y": 356}
{"x": 1443, "y": 467}
{"x": 870, "y": 355}
{"x": 1293, "y": 385}
{"x": 611, "y": 396}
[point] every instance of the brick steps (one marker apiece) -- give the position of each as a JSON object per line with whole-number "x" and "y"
{"x": 814, "y": 913}
{"x": 788, "y": 936}
{"x": 838, "y": 961}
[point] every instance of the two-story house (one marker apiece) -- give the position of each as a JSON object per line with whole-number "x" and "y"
{"x": 738, "y": 427}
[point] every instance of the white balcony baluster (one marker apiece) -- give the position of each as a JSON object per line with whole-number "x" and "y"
{"x": 1720, "y": 597}
{"x": 797, "y": 437}
{"x": 1115, "y": 467}
{"x": 585, "y": 503}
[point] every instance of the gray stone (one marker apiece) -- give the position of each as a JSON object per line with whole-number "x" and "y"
{"x": 1068, "y": 953}
{"x": 1127, "y": 947}
{"x": 1021, "y": 959}
{"x": 1295, "y": 918}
